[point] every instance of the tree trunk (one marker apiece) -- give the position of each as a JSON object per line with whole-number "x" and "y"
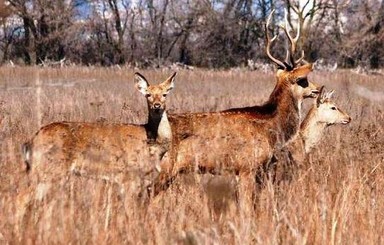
{"x": 159, "y": 41}
{"x": 380, "y": 20}
{"x": 29, "y": 41}
{"x": 119, "y": 46}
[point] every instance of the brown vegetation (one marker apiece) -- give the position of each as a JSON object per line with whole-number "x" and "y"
{"x": 336, "y": 199}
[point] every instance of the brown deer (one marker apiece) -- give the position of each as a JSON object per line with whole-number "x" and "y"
{"x": 102, "y": 151}
{"x": 322, "y": 114}
{"x": 240, "y": 140}
{"x": 104, "y": 148}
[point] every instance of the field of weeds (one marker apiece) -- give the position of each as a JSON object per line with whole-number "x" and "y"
{"x": 337, "y": 199}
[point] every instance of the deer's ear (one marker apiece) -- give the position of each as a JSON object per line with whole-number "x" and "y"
{"x": 320, "y": 97}
{"x": 141, "y": 83}
{"x": 169, "y": 84}
{"x": 329, "y": 94}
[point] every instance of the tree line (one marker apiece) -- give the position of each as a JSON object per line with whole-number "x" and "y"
{"x": 204, "y": 33}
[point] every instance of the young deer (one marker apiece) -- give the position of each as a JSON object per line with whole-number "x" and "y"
{"x": 104, "y": 148}
{"x": 240, "y": 140}
{"x": 323, "y": 114}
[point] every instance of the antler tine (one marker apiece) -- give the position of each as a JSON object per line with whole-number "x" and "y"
{"x": 301, "y": 58}
{"x": 292, "y": 41}
{"x": 270, "y": 41}
{"x": 287, "y": 56}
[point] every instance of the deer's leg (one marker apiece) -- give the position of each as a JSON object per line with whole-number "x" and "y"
{"x": 247, "y": 191}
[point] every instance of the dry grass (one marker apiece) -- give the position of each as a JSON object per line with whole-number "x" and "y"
{"x": 336, "y": 200}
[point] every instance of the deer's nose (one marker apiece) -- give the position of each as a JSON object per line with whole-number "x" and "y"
{"x": 315, "y": 91}
{"x": 156, "y": 105}
{"x": 347, "y": 120}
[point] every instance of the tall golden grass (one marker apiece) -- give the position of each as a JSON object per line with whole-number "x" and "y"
{"x": 336, "y": 199}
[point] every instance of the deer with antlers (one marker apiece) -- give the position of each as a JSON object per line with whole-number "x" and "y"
{"x": 104, "y": 148}
{"x": 239, "y": 140}
{"x": 322, "y": 114}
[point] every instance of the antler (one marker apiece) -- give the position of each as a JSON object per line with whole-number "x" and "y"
{"x": 279, "y": 63}
{"x": 293, "y": 42}
{"x": 301, "y": 58}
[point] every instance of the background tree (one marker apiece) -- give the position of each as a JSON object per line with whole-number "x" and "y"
{"x": 207, "y": 33}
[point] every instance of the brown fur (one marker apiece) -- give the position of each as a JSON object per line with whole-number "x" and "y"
{"x": 238, "y": 140}
{"x": 60, "y": 147}
{"x": 322, "y": 114}
{"x": 111, "y": 150}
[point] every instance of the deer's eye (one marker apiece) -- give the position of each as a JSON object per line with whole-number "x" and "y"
{"x": 164, "y": 95}
{"x": 333, "y": 108}
{"x": 303, "y": 82}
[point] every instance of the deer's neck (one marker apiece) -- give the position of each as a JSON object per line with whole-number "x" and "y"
{"x": 286, "y": 121}
{"x": 164, "y": 132}
{"x": 282, "y": 110}
{"x": 158, "y": 127}
{"x": 311, "y": 130}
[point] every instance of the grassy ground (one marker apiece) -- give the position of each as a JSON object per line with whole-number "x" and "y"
{"x": 336, "y": 200}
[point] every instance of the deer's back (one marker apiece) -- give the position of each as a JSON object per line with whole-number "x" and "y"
{"x": 90, "y": 148}
{"x": 185, "y": 125}
{"x": 219, "y": 142}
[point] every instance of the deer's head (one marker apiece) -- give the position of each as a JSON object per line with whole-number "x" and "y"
{"x": 327, "y": 111}
{"x": 292, "y": 72}
{"x": 155, "y": 94}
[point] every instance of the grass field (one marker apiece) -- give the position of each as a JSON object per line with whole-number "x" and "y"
{"x": 336, "y": 200}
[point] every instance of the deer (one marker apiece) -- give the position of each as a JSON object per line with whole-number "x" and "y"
{"x": 323, "y": 113}
{"x": 240, "y": 140}
{"x": 109, "y": 149}
{"x": 122, "y": 154}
